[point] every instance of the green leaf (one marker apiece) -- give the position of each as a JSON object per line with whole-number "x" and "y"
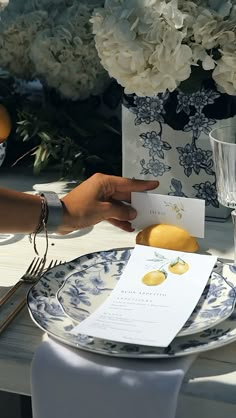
{"x": 178, "y": 260}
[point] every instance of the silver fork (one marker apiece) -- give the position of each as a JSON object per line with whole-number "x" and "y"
{"x": 33, "y": 273}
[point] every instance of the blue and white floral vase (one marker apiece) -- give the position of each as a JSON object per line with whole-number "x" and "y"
{"x": 167, "y": 138}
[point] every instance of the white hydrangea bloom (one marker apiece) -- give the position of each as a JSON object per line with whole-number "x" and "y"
{"x": 135, "y": 44}
{"x": 224, "y": 73}
{"x": 150, "y": 46}
{"x": 66, "y": 58}
{"x": 3, "y": 3}
{"x": 16, "y": 36}
{"x": 211, "y": 31}
{"x": 53, "y": 41}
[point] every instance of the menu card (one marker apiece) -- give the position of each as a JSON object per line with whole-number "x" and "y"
{"x": 153, "y": 208}
{"x": 153, "y": 299}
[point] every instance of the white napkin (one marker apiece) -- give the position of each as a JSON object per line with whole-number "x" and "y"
{"x": 70, "y": 383}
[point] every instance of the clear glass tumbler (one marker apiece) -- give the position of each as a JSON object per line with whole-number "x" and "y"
{"x": 223, "y": 143}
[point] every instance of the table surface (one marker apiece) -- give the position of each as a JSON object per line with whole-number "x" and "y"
{"x": 211, "y": 382}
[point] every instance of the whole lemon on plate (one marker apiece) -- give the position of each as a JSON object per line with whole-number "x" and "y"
{"x": 170, "y": 237}
{"x": 154, "y": 278}
{"x": 178, "y": 266}
{"x": 5, "y": 124}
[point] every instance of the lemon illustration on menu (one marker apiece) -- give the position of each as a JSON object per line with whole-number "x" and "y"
{"x": 154, "y": 278}
{"x": 157, "y": 277}
{"x": 178, "y": 266}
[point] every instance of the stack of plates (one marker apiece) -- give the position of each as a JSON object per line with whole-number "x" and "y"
{"x": 69, "y": 293}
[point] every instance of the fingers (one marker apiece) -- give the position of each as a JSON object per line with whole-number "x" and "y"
{"x": 118, "y": 210}
{"x": 124, "y": 225}
{"x": 102, "y": 197}
{"x": 104, "y": 186}
{"x": 120, "y": 188}
{"x": 123, "y": 184}
{"x": 125, "y": 197}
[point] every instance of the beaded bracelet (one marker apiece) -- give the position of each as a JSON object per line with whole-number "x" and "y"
{"x": 41, "y": 227}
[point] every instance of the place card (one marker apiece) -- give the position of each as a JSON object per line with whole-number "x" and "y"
{"x": 153, "y": 299}
{"x": 153, "y": 208}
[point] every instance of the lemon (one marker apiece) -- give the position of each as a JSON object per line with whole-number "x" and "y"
{"x": 170, "y": 237}
{"x": 5, "y": 124}
{"x": 154, "y": 278}
{"x": 178, "y": 266}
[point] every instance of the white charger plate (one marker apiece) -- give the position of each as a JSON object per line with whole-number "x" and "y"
{"x": 47, "y": 313}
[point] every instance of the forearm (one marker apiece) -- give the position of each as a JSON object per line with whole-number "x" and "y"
{"x": 99, "y": 198}
{"x": 19, "y": 212}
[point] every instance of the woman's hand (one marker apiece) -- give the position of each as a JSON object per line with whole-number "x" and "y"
{"x": 99, "y": 198}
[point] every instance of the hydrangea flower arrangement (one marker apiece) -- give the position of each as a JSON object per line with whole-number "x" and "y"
{"x": 151, "y": 46}
{"x": 52, "y": 40}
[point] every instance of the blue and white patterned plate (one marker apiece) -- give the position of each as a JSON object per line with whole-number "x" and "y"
{"x": 84, "y": 291}
{"x": 47, "y": 313}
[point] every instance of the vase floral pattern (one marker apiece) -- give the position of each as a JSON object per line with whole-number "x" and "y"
{"x": 166, "y": 137}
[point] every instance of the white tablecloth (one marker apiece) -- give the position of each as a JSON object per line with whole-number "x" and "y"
{"x": 70, "y": 383}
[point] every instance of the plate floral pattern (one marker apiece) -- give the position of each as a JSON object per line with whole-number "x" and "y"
{"x": 47, "y": 313}
{"x": 84, "y": 291}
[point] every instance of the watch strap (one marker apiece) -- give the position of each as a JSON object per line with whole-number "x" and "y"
{"x": 54, "y": 210}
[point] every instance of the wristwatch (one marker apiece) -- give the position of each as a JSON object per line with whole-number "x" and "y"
{"x": 54, "y": 210}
